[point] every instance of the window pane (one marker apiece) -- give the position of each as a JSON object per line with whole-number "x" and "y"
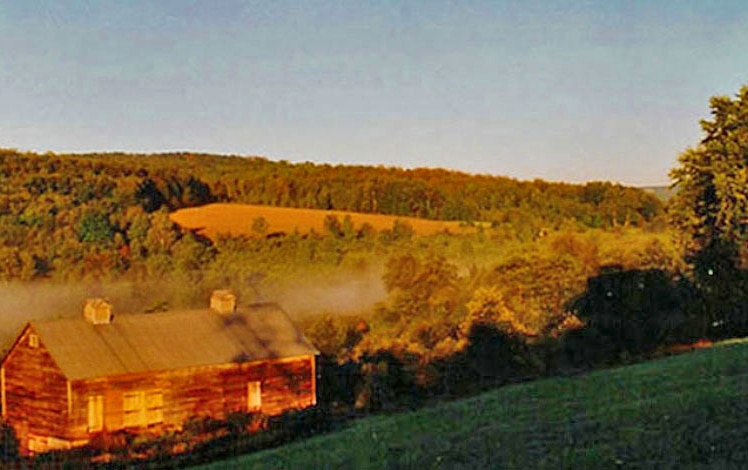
{"x": 133, "y": 401}
{"x": 155, "y": 399}
{"x": 142, "y": 408}
{"x": 134, "y": 412}
{"x": 132, "y": 418}
{"x": 155, "y": 407}
{"x": 155, "y": 416}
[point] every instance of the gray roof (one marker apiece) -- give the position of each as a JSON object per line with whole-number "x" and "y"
{"x": 170, "y": 340}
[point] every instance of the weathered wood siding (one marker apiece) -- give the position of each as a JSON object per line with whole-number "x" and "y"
{"x": 35, "y": 391}
{"x": 212, "y": 391}
{"x": 48, "y": 411}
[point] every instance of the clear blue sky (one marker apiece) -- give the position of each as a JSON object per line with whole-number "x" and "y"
{"x": 560, "y": 90}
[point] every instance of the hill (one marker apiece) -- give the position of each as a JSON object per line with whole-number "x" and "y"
{"x": 66, "y": 217}
{"x": 687, "y": 411}
{"x": 237, "y": 219}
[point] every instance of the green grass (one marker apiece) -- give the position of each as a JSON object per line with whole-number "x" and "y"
{"x": 687, "y": 411}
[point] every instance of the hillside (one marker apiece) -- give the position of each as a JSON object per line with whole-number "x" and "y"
{"x": 681, "y": 411}
{"x": 69, "y": 217}
{"x": 184, "y": 180}
{"x": 237, "y": 219}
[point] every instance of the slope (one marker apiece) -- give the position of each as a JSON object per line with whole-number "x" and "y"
{"x": 237, "y": 219}
{"x": 685, "y": 411}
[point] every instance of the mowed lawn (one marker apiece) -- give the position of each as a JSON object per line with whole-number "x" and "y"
{"x": 687, "y": 411}
{"x": 237, "y": 219}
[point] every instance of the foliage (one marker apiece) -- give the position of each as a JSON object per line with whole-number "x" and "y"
{"x": 8, "y": 444}
{"x": 260, "y": 226}
{"x": 711, "y": 182}
{"x": 710, "y": 211}
{"x": 487, "y": 307}
{"x": 71, "y": 217}
{"x": 95, "y": 228}
{"x": 334, "y": 335}
{"x": 424, "y": 306}
{"x": 627, "y": 313}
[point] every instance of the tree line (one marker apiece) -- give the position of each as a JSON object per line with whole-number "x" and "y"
{"x": 62, "y": 211}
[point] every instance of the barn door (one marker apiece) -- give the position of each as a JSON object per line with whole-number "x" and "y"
{"x": 95, "y": 413}
{"x": 254, "y": 396}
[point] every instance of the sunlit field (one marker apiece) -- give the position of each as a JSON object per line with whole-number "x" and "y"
{"x": 687, "y": 411}
{"x": 238, "y": 219}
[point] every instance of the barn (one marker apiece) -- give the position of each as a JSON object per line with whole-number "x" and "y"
{"x": 65, "y": 381}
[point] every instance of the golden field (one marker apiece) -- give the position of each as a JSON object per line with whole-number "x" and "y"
{"x": 237, "y": 219}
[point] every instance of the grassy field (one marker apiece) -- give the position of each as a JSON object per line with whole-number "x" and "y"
{"x": 686, "y": 411}
{"x": 237, "y": 219}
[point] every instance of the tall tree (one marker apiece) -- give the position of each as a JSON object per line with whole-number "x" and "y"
{"x": 710, "y": 206}
{"x": 710, "y": 209}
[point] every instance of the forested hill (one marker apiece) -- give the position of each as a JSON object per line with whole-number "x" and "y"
{"x": 38, "y": 186}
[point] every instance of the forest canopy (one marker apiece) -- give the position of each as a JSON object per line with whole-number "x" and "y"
{"x": 106, "y": 213}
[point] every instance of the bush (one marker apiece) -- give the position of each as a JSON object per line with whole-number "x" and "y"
{"x": 8, "y": 444}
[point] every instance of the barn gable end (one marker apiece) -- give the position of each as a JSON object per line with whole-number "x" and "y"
{"x": 34, "y": 390}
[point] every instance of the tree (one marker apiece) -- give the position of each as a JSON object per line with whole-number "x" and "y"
{"x": 629, "y": 312}
{"x": 260, "y": 226}
{"x": 96, "y": 228}
{"x": 488, "y": 307}
{"x": 149, "y": 196}
{"x": 710, "y": 210}
{"x": 710, "y": 206}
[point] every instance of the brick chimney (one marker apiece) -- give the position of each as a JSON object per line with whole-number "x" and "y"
{"x": 223, "y": 301}
{"x": 98, "y": 311}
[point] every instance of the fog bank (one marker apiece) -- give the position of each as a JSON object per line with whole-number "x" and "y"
{"x": 342, "y": 293}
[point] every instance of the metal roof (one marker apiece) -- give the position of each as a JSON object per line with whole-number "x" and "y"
{"x": 170, "y": 340}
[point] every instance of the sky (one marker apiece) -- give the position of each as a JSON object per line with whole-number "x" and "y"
{"x": 559, "y": 90}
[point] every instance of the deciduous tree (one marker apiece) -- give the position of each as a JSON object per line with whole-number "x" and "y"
{"x": 711, "y": 201}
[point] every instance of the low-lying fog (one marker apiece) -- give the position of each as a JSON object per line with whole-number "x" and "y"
{"x": 23, "y": 302}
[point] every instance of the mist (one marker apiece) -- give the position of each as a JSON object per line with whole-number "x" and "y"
{"x": 351, "y": 292}
{"x": 22, "y": 302}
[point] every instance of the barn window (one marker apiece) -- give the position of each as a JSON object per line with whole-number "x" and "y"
{"x": 254, "y": 396}
{"x": 133, "y": 408}
{"x": 154, "y": 407}
{"x": 33, "y": 340}
{"x": 95, "y": 413}
{"x": 143, "y": 408}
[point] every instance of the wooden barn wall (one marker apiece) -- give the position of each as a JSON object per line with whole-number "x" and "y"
{"x": 213, "y": 391}
{"x": 35, "y": 391}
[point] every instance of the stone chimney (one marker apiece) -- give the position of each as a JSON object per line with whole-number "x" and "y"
{"x": 98, "y": 311}
{"x": 223, "y": 301}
